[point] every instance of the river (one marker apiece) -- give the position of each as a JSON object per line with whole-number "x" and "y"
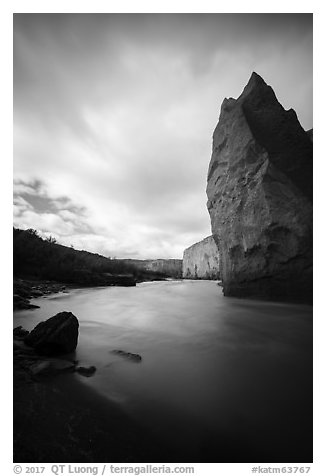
{"x": 221, "y": 379}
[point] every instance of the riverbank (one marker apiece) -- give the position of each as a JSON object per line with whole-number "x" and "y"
{"x": 25, "y": 289}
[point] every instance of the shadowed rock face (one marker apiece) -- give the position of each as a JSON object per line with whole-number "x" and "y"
{"x": 57, "y": 335}
{"x": 260, "y": 197}
{"x": 201, "y": 260}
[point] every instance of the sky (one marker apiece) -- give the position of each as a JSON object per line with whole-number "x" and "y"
{"x": 114, "y": 116}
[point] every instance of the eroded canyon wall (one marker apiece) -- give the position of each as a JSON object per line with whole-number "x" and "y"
{"x": 201, "y": 261}
{"x": 170, "y": 267}
{"x": 260, "y": 197}
{"x": 167, "y": 267}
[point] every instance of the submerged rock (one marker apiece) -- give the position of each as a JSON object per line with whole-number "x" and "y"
{"x": 260, "y": 197}
{"x": 57, "y": 335}
{"x": 201, "y": 260}
{"x": 86, "y": 371}
{"x": 128, "y": 355}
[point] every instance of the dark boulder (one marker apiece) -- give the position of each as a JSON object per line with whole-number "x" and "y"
{"x": 86, "y": 371}
{"x": 128, "y": 355}
{"x": 57, "y": 335}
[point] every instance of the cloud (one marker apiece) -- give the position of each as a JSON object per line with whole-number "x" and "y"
{"x": 114, "y": 114}
{"x": 46, "y": 222}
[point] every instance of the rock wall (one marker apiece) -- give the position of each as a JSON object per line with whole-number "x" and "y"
{"x": 167, "y": 267}
{"x": 170, "y": 267}
{"x": 260, "y": 197}
{"x": 201, "y": 260}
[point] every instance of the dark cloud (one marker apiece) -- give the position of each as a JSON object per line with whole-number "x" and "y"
{"x": 114, "y": 115}
{"x": 59, "y": 216}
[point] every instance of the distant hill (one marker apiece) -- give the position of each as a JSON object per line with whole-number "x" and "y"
{"x": 36, "y": 257}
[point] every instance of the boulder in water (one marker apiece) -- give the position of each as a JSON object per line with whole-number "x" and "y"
{"x": 57, "y": 335}
{"x": 128, "y": 355}
{"x": 86, "y": 371}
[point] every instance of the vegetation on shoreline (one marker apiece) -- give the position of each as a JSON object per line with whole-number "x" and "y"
{"x": 44, "y": 259}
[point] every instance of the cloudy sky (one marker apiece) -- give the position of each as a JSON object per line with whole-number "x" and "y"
{"x": 114, "y": 115}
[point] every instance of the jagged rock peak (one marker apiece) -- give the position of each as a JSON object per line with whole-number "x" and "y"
{"x": 255, "y": 83}
{"x": 278, "y": 131}
{"x": 256, "y": 86}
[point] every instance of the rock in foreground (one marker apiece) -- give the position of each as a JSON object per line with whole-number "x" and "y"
{"x": 260, "y": 197}
{"x": 57, "y": 335}
{"x": 86, "y": 371}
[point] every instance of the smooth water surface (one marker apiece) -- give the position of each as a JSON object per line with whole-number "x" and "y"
{"x": 221, "y": 379}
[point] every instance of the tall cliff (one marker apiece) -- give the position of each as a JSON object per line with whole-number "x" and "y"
{"x": 167, "y": 267}
{"x": 201, "y": 260}
{"x": 260, "y": 197}
{"x": 170, "y": 267}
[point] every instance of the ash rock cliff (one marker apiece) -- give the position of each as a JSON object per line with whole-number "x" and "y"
{"x": 201, "y": 260}
{"x": 260, "y": 197}
{"x": 167, "y": 267}
{"x": 171, "y": 267}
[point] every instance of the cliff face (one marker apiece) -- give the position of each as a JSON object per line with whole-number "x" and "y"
{"x": 167, "y": 267}
{"x": 260, "y": 197}
{"x": 170, "y": 267}
{"x": 201, "y": 260}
